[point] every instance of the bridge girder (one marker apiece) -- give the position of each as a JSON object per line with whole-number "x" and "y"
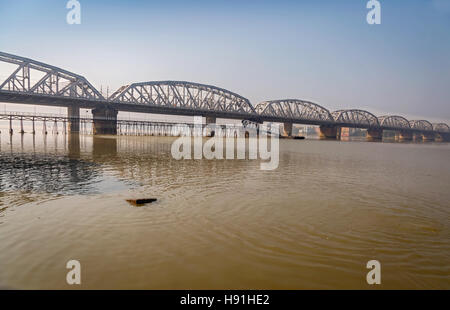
{"x": 182, "y": 94}
{"x": 37, "y": 78}
{"x": 394, "y": 121}
{"x": 421, "y": 125}
{"x": 295, "y": 109}
{"x": 356, "y": 117}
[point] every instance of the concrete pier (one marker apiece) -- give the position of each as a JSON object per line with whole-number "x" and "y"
{"x": 330, "y": 132}
{"x": 427, "y": 137}
{"x": 374, "y": 134}
{"x": 442, "y": 137}
{"x": 287, "y": 129}
{"x": 405, "y": 136}
{"x": 73, "y": 113}
{"x": 211, "y": 120}
{"x": 105, "y": 121}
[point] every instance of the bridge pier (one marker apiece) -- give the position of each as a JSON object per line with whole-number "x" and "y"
{"x": 427, "y": 137}
{"x": 417, "y": 137}
{"x": 396, "y": 136}
{"x": 439, "y": 138}
{"x": 405, "y": 136}
{"x": 374, "y": 134}
{"x": 73, "y": 113}
{"x": 330, "y": 132}
{"x": 442, "y": 137}
{"x": 211, "y": 120}
{"x": 287, "y": 129}
{"x": 105, "y": 121}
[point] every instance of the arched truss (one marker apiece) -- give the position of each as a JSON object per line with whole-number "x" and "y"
{"x": 33, "y": 77}
{"x": 441, "y": 127}
{"x": 294, "y": 109}
{"x": 356, "y": 117}
{"x": 394, "y": 121}
{"x": 181, "y": 94}
{"x": 421, "y": 125}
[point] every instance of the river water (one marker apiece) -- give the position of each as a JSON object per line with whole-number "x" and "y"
{"x": 313, "y": 223}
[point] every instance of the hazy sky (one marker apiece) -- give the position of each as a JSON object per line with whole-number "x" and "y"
{"x": 323, "y": 51}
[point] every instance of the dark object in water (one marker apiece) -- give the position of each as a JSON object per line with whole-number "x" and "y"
{"x": 292, "y": 137}
{"x": 138, "y": 202}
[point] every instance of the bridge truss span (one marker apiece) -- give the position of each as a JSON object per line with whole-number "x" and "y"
{"x": 422, "y": 125}
{"x": 184, "y": 95}
{"x": 356, "y": 118}
{"x": 441, "y": 127}
{"x": 31, "y": 77}
{"x": 294, "y": 110}
{"x": 394, "y": 122}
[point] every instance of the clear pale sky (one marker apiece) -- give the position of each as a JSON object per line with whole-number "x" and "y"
{"x": 323, "y": 51}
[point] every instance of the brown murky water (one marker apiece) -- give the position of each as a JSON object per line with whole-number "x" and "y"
{"x": 314, "y": 222}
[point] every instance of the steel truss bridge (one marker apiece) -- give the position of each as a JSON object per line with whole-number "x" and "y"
{"x": 37, "y": 83}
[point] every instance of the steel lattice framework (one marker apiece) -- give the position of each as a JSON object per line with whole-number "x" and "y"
{"x": 357, "y": 118}
{"x": 394, "y": 121}
{"x": 294, "y": 109}
{"x": 182, "y": 94}
{"x": 33, "y": 77}
{"x": 421, "y": 125}
{"x": 441, "y": 127}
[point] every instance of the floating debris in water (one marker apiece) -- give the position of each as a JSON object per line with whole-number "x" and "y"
{"x": 140, "y": 202}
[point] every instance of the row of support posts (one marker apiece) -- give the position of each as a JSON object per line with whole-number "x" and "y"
{"x": 11, "y": 130}
{"x": 105, "y": 122}
{"x": 44, "y": 126}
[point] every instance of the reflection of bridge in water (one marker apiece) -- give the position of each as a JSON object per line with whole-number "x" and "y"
{"x": 80, "y": 164}
{"x": 33, "y": 82}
